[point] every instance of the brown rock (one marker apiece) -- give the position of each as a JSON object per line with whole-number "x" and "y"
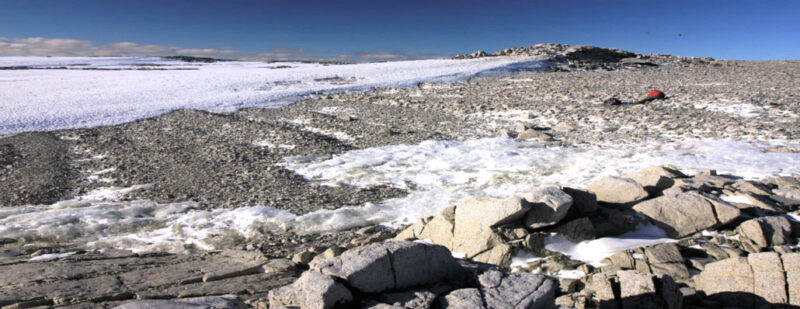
{"x": 680, "y": 214}
{"x": 617, "y": 190}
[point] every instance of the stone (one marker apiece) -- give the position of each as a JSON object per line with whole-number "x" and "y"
{"x": 752, "y": 187}
{"x": 669, "y": 291}
{"x": 367, "y": 269}
{"x": 584, "y": 203}
{"x": 679, "y": 215}
{"x": 714, "y": 251}
{"x": 724, "y": 281}
{"x": 548, "y": 205}
{"x": 789, "y": 193}
{"x": 391, "y": 265}
{"x": 601, "y": 284}
{"x": 488, "y": 212}
{"x": 64, "y": 292}
{"x": 666, "y": 259}
{"x": 440, "y": 229}
{"x": 517, "y": 290}
{"x": 576, "y": 230}
{"x": 725, "y": 212}
{"x": 498, "y": 254}
{"x": 416, "y": 264}
{"x": 409, "y": 299}
{"x": 303, "y": 257}
{"x": 791, "y": 268}
{"x": 760, "y": 233}
{"x": 637, "y": 290}
{"x": 312, "y": 290}
{"x": 467, "y": 298}
{"x": 222, "y": 301}
{"x": 655, "y": 179}
{"x": 769, "y": 279}
{"x": 385, "y": 131}
{"x": 536, "y": 135}
{"x": 617, "y": 191}
{"x": 762, "y": 203}
{"x": 610, "y": 222}
{"x": 474, "y": 218}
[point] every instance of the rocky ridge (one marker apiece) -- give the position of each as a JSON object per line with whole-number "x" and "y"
{"x": 584, "y": 57}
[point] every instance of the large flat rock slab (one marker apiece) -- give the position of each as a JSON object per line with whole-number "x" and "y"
{"x": 91, "y": 279}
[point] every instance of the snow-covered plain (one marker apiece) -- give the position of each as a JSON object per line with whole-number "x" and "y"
{"x": 105, "y": 91}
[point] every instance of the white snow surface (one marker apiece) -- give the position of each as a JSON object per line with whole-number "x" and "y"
{"x": 89, "y": 93}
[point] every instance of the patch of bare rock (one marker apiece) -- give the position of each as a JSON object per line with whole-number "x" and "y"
{"x": 714, "y": 220}
{"x": 734, "y": 243}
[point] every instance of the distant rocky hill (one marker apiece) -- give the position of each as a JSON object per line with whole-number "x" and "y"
{"x": 584, "y": 57}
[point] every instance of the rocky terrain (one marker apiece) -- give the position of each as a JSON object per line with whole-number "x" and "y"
{"x": 733, "y": 240}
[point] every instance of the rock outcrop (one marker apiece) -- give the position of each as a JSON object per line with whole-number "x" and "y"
{"x": 410, "y": 275}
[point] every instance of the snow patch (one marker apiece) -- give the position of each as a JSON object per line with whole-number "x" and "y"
{"x": 594, "y": 251}
{"x": 51, "y": 256}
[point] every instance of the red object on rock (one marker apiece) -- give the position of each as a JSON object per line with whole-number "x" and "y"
{"x": 656, "y": 93}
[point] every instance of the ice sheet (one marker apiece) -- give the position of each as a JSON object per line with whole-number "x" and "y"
{"x": 89, "y": 94}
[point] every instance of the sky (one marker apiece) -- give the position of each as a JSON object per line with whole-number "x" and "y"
{"x": 380, "y": 30}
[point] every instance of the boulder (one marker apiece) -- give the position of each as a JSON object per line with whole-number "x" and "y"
{"x": 437, "y": 229}
{"x": 517, "y": 290}
{"x": 791, "y": 268}
{"x": 536, "y": 135}
{"x": 576, "y": 230}
{"x": 769, "y": 280}
{"x": 752, "y": 187}
{"x": 391, "y": 265}
{"x": 725, "y": 212}
{"x": 478, "y": 211}
{"x": 548, "y": 205}
{"x": 602, "y": 287}
{"x": 680, "y": 214}
{"x": 661, "y": 259}
{"x": 617, "y": 191}
{"x": 416, "y": 264}
{"x": 469, "y": 298}
{"x": 762, "y": 203}
{"x": 759, "y": 233}
{"x": 311, "y": 290}
{"x": 789, "y": 193}
{"x": 474, "y": 218}
{"x": 760, "y": 279}
{"x": 655, "y": 179}
{"x": 637, "y": 290}
{"x": 408, "y": 299}
{"x": 666, "y": 259}
{"x": 729, "y": 281}
{"x": 584, "y": 203}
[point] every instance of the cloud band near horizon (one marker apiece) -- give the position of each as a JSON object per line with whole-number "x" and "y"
{"x": 38, "y": 46}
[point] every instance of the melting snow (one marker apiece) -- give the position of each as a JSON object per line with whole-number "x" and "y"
{"x": 594, "y": 251}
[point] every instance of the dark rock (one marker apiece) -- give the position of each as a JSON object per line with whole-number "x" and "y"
{"x": 517, "y": 290}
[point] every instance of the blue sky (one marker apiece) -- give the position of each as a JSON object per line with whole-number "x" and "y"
{"x": 391, "y": 30}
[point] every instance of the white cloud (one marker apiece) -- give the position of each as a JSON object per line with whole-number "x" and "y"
{"x": 37, "y": 46}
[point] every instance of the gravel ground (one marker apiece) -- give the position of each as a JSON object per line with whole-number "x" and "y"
{"x": 229, "y": 160}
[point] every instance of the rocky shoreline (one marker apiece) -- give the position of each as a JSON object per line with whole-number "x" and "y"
{"x": 723, "y": 226}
